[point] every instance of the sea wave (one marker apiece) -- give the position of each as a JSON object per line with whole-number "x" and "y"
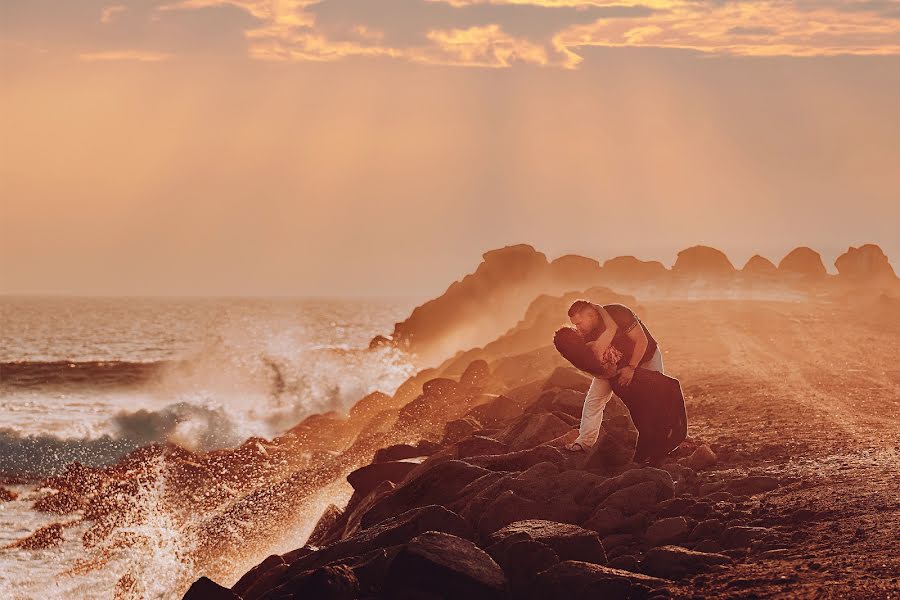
{"x": 28, "y": 374}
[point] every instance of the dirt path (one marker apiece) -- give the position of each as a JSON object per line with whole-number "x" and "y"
{"x": 811, "y": 393}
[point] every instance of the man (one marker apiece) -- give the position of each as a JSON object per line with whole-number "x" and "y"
{"x": 602, "y": 326}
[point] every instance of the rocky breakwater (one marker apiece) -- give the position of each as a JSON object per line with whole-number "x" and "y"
{"x": 493, "y": 507}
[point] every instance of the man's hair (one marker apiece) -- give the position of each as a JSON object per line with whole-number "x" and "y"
{"x": 579, "y": 305}
{"x": 573, "y": 347}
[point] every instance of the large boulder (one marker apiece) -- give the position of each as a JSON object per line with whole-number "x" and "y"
{"x": 404, "y": 451}
{"x": 569, "y": 542}
{"x": 440, "y": 565}
{"x": 531, "y": 430}
{"x": 666, "y": 531}
{"x": 479, "y": 445}
{"x": 518, "y": 461}
{"x": 250, "y": 577}
{"x": 496, "y": 411}
{"x": 434, "y": 484}
{"x": 615, "y": 444}
{"x": 868, "y": 262}
{"x": 331, "y": 582}
{"x": 802, "y": 261}
{"x": 207, "y": 589}
{"x": 521, "y": 558}
{"x": 391, "y": 532}
{"x": 367, "y": 478}
{"x": 702, "y": 261}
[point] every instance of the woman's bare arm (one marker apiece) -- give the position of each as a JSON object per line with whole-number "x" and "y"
{"x": 600, "y": 345}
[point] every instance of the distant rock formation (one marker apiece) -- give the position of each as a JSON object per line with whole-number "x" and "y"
{"x": 866, "y": 263}
{"x": 702, "y": 261}
{"x": 572, "y": 270}
{"x": 486, "y": 303}
{"x": 629, "y": 268}
{"x": 802, "y": 261}
{"x": 760, "y": 265}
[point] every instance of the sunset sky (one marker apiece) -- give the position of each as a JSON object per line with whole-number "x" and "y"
{"x": 379, "y": 147}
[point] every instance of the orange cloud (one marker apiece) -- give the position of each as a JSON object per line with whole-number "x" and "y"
{"x": 752, "y": 29}
{"x": 486, "y": 46}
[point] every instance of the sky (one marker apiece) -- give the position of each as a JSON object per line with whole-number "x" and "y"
{"x": 380, "y": 147}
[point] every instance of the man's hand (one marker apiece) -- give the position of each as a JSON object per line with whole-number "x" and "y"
{"x": 625, "y": 375}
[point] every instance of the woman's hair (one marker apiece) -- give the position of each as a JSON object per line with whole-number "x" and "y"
{"x": 571, "y": 345}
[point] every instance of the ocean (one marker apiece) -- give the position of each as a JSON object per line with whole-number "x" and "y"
{"x": 91, "y": 379}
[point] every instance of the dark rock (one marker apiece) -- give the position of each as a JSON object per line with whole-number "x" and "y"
{"x": 391, "y": 532}
{"x": 615, "y": 445}
{"x": 742, "y": 537}
{"x": 625, "y": 562}
{"x": 404, "y": 451}
{"x": 7, "y": 495}
{"x": 675, "y": 562}
{"x": 367, "y": 478}
{"x": 521, "y": 558}
{"x": 674, "y": 507}
{"x": 267, "y": 581}
{"x": 458, "y": 429}
{"x": 570, "y": 542}
{"x": 708, "y": 546}
{"x": 351, "y": 521}
{"x": 711, "y": 528}
{"x": 329, "y": 517}
{"x": 518, "y": 461}
{"x": 440, "y": 565}
{"x": 438, "y": 484}
{"x": 608, "y": 520}
{"x": 666, "y": 531}
{"x": 207, "y": 589}
{"x": 532, "y": 430}
{"x": 507, "y": 508}
{"x": 661, "y": 479}
{"x": 244, "y": 583}
{"x": 478, "y": 445}
{"x": 702, "y": 458}
{"x": 496, "y": 412}
{"x": 697, "y": 511}
{"x": 633, "y": 499}
{"x": 371, "y": 568}
{"x": 582, "y": 580}
{"x": 332, "y": 582}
